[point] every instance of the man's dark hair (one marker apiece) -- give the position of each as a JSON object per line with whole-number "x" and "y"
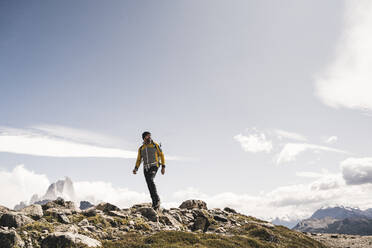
{"x": 144, "y": 134}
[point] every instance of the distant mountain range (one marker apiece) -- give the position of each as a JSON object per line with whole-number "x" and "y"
{"x": 343, "y": 220}
{"x": 290, "y": 223}
{"x": 63, "y": 188}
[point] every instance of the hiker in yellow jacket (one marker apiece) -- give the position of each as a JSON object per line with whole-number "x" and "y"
{"x": 152, "y": 156}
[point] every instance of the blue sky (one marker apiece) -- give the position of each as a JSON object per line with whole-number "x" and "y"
{"x": 244, "y": 97}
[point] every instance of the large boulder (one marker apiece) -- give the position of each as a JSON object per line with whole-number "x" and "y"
{"x": 190, "y": 204}
{"x": 170, "y": 221}
{"x": 10, "y": 239}
{"x": 68, "y": 240}
{"x": 107, "y": 207}
{"x": 12, "y": 219}
{"x": 201, "y": 223}
{"x": 60, "y": 203}
{"x": 149, "y": 213}
{"x": 202, "y": 219}
{"x": 3, "y": 210}
{"x": 220, "y": 217}
{"x": 141, "y": 205}
{"x": 85, "y": 205}
{"x": 35, "y": 211}
{"x": 89, "y": 212}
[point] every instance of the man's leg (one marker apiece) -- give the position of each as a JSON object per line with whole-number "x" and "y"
{"x": 150, "y": 175}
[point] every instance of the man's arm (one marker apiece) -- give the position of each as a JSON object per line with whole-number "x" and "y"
{"x": 138, "y": 161}
{"x": 161, "y": 155}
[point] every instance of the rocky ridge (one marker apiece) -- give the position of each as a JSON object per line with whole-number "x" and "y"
{"x": 341, "y": 220}
{"x": 61, "y": 224}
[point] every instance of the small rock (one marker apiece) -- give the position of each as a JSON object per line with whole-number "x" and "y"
{"x": 230, "y": 210}
{"x": 83, "y": 222}
{"x": 118, "y": 214}
{"x": 265, "y": 224}
{"x": 220, "y": 230}
{"x": 63, "y": 219}
{"x": 220, "y": 218}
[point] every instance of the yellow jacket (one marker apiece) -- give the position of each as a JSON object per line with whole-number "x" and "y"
{"x": 150, "y": 154}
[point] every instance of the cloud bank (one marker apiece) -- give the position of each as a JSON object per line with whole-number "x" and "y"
{"x": 346, "y": 81}
{"x": 255, "y": 141}
{"x": 357, "y": 171}
{"x": 291, "y": 202}
{"x": 58, "y": 141}
{"x": 20, "y": 184}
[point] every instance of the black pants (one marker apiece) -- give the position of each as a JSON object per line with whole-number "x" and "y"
{"x": 150, "y": 175}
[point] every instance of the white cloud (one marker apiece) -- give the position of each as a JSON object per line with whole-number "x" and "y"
{"x": 78, "y": 135}
{"x": 331, "y": 140}
{"x": 254, "y": 142}
{"x": 20, "y": 184}
{"x": 357, "y": 170}
{"x": 289, "y": 135}
{"x": 296, "y": 201}
{"x": 310, "y": 174}
{"x": 291, "y": 201}
{"x": 291, "y": 150}
{"x": 347, "y": 81}
{"x": 97, "y": 191}
{"x": 36, "y": 143}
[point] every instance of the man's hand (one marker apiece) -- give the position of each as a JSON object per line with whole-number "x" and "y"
{"x": 134, "y": 171}
{"x": 162, "y": 170}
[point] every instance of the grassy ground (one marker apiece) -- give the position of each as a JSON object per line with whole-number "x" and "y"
{"x": 250, "y": 235}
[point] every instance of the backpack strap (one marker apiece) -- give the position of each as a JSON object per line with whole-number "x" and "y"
{"x": 157, "y": 147}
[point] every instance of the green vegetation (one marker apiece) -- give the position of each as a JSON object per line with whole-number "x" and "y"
{"x": 210, "y": 229}
{"x": 250, "y": 235}
{"x": 37, "y": 226}
{"x": 99, "y": 221}
{"x": 76, "y": 218}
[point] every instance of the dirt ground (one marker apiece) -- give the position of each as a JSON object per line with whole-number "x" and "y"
{"x": 342, "y": 240}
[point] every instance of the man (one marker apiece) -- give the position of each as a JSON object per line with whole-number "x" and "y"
{"x": 150, "y": 153}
